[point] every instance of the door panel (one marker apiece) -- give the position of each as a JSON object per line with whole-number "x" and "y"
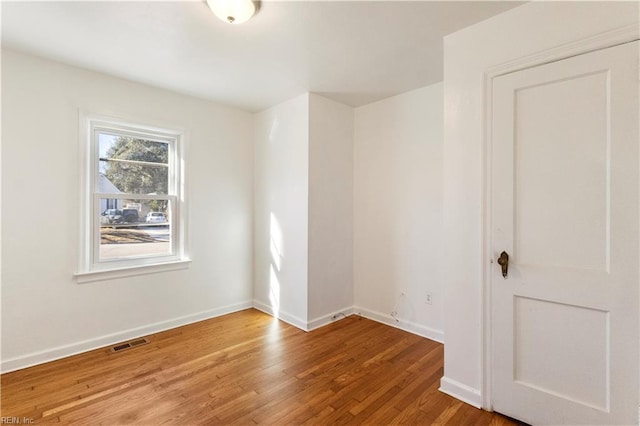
{"x": 564, "y": 186}
{"x": 587, "y": 347}
{"x": 569, "y": 178}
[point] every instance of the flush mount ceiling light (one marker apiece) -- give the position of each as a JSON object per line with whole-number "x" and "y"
{"x": 232, "y": 11}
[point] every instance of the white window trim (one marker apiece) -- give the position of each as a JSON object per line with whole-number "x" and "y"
{"x": 89, "y": 268}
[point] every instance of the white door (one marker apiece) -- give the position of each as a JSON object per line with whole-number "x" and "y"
{"x": 564, "y": 185}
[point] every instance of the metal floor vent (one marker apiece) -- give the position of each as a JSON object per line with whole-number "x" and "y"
{"x": 129, "y": 345}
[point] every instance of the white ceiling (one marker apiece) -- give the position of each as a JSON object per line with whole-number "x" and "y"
{"x": 352, "y": 51}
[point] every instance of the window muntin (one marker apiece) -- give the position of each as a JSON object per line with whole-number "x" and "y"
{"x": 134, "y": 172}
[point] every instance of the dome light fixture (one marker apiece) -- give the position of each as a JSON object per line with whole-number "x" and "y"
{"x": 232, "y": 11}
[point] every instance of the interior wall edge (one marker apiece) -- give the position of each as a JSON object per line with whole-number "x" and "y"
{"x": 281, "y": 315}
{"x": 461, "y": 391}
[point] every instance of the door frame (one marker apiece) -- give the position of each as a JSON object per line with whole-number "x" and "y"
{"x": 601, "y": 41}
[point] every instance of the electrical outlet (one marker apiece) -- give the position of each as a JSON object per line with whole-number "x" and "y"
{"x": 429, "y": 299}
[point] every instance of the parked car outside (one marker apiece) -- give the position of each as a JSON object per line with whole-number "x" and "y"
{"x": 130, "y": 216}
{"x": 111, "y": 216}
{"x": 120, "y": 216}
{"x": 156, "y": 217}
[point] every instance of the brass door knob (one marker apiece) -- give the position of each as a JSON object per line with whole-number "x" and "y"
{"x": 503, "y": 261}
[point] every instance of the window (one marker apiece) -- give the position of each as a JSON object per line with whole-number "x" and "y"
{"x": 132, "y": 200}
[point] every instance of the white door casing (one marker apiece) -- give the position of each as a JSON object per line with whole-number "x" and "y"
{"x": 564, "y": 185}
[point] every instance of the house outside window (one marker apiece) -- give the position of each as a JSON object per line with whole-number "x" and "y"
{"x": 132, "y": 199}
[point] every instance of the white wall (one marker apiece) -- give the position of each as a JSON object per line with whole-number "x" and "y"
{"x": 398, "y": 210}
{"x": 526, "y": 30}
{"x": 281, "y": 191}
{"x": 45, "y": 313}
{"x": 330, "y": 208}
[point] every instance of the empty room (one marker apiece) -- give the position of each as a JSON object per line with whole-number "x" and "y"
{"x": 320, "y": 212}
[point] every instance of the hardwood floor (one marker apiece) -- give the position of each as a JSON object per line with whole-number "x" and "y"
{"x": 247, "y": 368}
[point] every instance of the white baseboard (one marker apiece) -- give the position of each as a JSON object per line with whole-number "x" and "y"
{"x": 284, "y": 316}
{"x": 53, "y": 354}
{"x": 411, "y": 327}
{"x": 315, "y": 323}
{"x": 300, "y": 323}
{"x": 328, "y": 319}
{"x": 462, "y": 392}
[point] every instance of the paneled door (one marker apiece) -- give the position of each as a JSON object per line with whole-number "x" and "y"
{"x": 564, "y": 213}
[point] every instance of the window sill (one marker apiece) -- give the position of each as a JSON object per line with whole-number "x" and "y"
{"x": 88, "y": 277}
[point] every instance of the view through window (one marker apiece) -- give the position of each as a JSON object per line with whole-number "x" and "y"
{"x": 134, "y": 198}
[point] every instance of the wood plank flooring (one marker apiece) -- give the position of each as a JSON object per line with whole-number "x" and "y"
{"x": 247, "y": 368}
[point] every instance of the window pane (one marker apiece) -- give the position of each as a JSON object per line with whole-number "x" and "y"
{"x": 134, "y": 228}
{"x": 132, "y": 165}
